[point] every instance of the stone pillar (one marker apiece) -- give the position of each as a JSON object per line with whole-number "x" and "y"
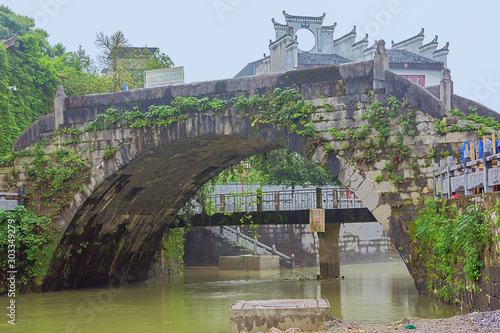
{"x": 319, "y": 198}
{"x": 380, "y": 65}
{"x": 329, "y": 262}
{"x": 446, "y": 89}
{"x": 59, "y": 106}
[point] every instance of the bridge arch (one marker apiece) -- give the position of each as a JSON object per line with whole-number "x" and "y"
{"x": 132, "y": 197}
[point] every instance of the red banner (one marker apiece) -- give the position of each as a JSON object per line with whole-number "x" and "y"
{"x": 317, "y": 220}
{"x": 418, "y": 79}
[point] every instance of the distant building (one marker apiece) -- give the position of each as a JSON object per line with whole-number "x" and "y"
{"x": 134, "y": 59}
{"x": 418, "y": 62}
{"x": 9, "y": 40}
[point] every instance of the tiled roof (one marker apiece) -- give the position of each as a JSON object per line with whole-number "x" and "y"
{"x": 321, "y": 59}
{"x": 249, "y": 70}
{"x": 406, "y": 57}
{"x": 9, "y": 40}
{"x": 130, "y": 52}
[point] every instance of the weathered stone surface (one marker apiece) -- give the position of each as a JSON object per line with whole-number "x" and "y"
{"x": 461, "y": 136}
{"x": 448, "y": 121}
{"x": 255, "y": 316}
{"x": 249, "y": 262}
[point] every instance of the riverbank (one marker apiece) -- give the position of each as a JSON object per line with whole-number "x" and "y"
{"x": 488, "y": 322}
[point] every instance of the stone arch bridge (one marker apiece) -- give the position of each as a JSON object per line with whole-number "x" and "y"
{"x": 132, "y": 195}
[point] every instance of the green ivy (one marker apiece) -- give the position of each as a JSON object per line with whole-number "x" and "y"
{"x": 173, "y": 247}
{"x": 450, "y": 240}
{"x": 109, "y": 152}
{"x": 35, "y": 241}
{"x": 54, "y": 178}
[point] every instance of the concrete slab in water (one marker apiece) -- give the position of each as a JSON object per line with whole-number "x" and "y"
{"x": 249, "y": 262}
{"x": 260, "y": 316}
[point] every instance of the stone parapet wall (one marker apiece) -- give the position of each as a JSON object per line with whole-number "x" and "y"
{"x": 463, "y": 104}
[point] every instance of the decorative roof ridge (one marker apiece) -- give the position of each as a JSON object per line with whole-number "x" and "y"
{"x": 420, "y": 34}
{"x": 434, "y": 41}
{"x": 276, "y": 24}
{"x": 304, "y": 18}
{"x": 330, "y": 27}
{"x": 364, "y": 40}
{"x": 279, "y": 39}
{"x": 353, "y": 32}
{"x": 373, "y": 47}
{"x": 443, "y": 49}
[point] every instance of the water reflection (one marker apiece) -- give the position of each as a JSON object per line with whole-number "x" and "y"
{"x": 200, "y": 300}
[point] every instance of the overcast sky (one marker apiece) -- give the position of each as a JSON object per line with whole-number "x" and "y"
{"x": 215, "y": 39}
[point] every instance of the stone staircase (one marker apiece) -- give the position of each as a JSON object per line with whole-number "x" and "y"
{"x": 231, "y": 239}
{"x": 234, "y": 237}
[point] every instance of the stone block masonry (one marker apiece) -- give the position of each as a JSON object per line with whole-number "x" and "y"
{"x": 259, "y": 316}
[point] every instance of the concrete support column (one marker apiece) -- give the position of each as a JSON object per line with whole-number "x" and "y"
{"x": 380, "y": 65}
{"x": 319, "y": 198}
{"x": 446, "y": 89}
{"x": 329, "y": 262}
{"x": 59, "y": 106}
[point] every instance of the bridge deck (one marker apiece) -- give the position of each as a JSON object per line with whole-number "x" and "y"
{"x": 348, "y": 215}
{"x": 284, "y": 200}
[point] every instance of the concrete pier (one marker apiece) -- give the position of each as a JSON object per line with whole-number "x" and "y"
{"x": 260, "y": 316}
{"x": 329, "y": 262}
{"x": 249, "y": 262}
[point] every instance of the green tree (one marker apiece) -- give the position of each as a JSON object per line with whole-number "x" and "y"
{"x": 80, "y": 74}
{"x": 285, "y": 167}
{"x": 159, "y": 61}
{"x": 9, "y": 130}
{"x": 123, "y": 63}
{"x": 109, "y": 46}
{"x": 11, "y": 23}
{"x": 278, "y": 167}
{"x": 35, "y": 78}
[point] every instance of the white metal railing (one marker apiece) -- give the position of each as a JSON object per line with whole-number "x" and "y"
{"x": 286, "y": 200}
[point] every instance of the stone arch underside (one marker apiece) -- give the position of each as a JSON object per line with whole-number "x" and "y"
{"x": 134, "y": 196}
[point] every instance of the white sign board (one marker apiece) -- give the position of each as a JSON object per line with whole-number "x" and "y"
{"x": 164, "y": 77}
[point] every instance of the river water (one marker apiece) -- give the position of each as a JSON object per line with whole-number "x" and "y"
{"x": 199, "y": 301}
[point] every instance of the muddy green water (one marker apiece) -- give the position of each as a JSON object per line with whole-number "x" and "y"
{"x": 200, "y": 300}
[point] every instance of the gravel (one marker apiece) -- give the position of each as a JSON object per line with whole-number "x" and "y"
{"x": 472, "y": 322}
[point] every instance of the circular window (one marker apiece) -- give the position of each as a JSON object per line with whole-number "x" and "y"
{"x": 306, "y": 39}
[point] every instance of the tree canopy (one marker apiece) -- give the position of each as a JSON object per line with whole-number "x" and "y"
{"x": 35, "y": 68}
{"x": 11, "y": 23}
{"x": 278, "y": 167}
{"x": 285, "y": 167}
